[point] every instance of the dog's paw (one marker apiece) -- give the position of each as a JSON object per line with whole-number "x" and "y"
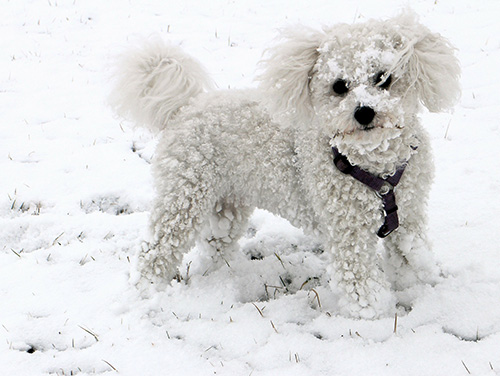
{"x": 404, "y": 272}
{"x": 203, "y": 260}
{"x": 153, "y": 268}
{"x": 371, "y": 301}
{"x": 410, "y": 262}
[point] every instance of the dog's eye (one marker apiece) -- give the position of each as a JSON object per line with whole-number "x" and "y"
{"x": 386, "y": 83}
{"x": 340, "y": 87}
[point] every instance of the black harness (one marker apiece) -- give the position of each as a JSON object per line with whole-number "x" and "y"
{"x": 383, "y": 187}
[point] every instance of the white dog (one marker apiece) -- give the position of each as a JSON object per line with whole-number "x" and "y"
{"x": 343, "y": 155}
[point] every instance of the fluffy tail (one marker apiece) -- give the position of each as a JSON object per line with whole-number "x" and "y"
{"x": 154, "y": 81}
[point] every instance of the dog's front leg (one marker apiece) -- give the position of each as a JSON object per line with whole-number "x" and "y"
{"x": 363, "y": 290}
{"x": 409, "y": 259}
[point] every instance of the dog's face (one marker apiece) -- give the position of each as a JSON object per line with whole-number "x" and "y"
{"x": 363, "y": 82}
{"x": 354, "y": 89}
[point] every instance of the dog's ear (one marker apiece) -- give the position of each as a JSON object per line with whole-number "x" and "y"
{"x": 430, "y": 60}
{"x": 288, "y": 69}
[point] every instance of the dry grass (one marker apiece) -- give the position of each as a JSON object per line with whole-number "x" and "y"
{"x": 90, "y": 332}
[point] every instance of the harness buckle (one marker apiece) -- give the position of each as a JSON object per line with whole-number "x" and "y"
{"x": 385, "y": 189}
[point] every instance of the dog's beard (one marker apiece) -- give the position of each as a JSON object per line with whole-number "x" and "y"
{"x": 379, "y": 150}
{"x": 366, "y": 139}
{"x": 384, "y": 126}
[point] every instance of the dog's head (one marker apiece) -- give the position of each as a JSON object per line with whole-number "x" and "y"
{"x": 364, "y": 81}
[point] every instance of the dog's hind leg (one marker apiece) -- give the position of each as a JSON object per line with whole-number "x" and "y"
{"x": 223, "y": 228}
{"x": 179, "y": 214}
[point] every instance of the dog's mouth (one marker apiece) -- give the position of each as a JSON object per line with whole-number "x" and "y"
{"x": 385, "y": 125}
{"x": 372, "y": 127}
{"x": 374, "y": 133}
{"x": 367, "y": 128}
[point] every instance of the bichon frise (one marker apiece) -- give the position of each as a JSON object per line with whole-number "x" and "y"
{"x": 330, "y": 141}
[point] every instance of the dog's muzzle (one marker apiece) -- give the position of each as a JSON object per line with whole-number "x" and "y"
{"x": 364, "y": 115}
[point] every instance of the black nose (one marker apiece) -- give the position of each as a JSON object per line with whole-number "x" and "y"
{"x": 364, "y": 115}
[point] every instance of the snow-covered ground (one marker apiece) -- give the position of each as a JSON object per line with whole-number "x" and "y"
{"x": 75, "y": 193}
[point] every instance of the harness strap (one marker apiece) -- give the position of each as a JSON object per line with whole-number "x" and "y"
{"x": 383, "y": 187}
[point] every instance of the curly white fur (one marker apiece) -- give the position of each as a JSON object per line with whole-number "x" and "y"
{"x": 154, "y": 81}
{"x": 222, "y": 153}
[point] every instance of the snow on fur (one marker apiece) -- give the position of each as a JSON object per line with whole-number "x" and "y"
{"x": 77, "y": 196}
{"x": 223, "y": 155}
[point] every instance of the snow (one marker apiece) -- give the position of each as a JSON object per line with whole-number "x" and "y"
{"x": 76, "y": 190}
